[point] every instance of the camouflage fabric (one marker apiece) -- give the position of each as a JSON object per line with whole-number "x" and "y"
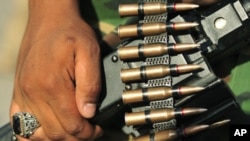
{"x": 239, "y": 82}
{"x": 107, "y": 13}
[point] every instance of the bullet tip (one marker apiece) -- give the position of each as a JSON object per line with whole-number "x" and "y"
{"x": 187, "y": 90}
{"x": 189, "y": 68}
{"x": 194, "y": 129}
{"x": 194, "y": 24}
{"x": 192, "y": 111}
{"x": 201, "y": 110}
{"x": 197, "y": 45}
{"x": 193, "y": 46}
{"x": 184, "y": 25}
{"x": 220, "y": 123}
{"x": 185, "y": 6}
{"x": 198, "y": 67}
{"x": 199, "y": 88}
{"x": 195, "y": 6}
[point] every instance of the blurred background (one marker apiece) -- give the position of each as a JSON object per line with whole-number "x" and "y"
{"x": 13, "y": 18}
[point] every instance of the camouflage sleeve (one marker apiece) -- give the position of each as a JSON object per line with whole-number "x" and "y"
{"x": 107, "y": 13}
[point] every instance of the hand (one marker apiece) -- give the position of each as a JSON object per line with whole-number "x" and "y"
{"x": 57, "y": 77}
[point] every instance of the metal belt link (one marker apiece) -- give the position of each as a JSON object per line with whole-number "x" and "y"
{"x": 167, "y": 103}
{"x": 164, "y": 125}
{"x": 162, "y": 38}
{"x": 167, "y": 81}
{"x": 158, "y": 60}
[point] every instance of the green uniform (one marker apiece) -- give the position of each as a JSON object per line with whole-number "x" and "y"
{"x": 107, "y": 13}
{"x": 240, "y": 81}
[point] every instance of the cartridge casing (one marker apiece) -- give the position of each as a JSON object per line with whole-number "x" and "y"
{"x": 157, "y": 93}
{"x": 153, "y": 8}
{"x": 166, "y": 135}
{"x": 147, "y": 117}
{"x": 142, "y": 51}
{"x": 159, "y": 115}
{"x": 146, "y": 94}
{"x": 142, "y": 9}
{"x": 153, "y": 50}
{"x": 141, "y": 29}
{"x": 144, "y": 73}
{"x": 153, "y": 28}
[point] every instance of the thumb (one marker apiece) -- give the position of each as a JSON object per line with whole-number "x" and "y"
{"x": 86, "y": 99}
{"x": 88, "y": 79}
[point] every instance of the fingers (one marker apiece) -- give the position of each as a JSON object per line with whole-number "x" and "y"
{"x": 56, "y": 111}
{"x": 60, "y": 125}
{"x": 69, "y": 117}
{"x": 38, "y": 134}
{"x": 98, "y": 132}
{"x": 87, "y": 72}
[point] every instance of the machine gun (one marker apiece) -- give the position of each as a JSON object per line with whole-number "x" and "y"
{"x": 143, "y": 75}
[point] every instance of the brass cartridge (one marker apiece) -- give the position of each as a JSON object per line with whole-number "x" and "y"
{"x": 172, "y": 134}
{"x": 153, "y": 50}
{"x": 157, "y": 93}
{"x": 159, "y": 115}
{"x": 153, "y": 8}
{"x": 145, "y": 73}
{"x": 154, "y": 28}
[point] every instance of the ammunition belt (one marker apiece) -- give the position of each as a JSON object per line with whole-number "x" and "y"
{"x": 161, "y": 73}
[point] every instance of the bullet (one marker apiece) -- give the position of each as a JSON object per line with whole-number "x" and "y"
{"x": 157, "y": 93}
{"x": 219, "y": 123}
{"x": 145, "y": 73}
{"x": 154, "y": 8}
{"x": 159, "y": 115}
{"x": 193, "y": 130}
{"x": 172, "y": 134}
{"x": 153, "y": 50}
{"x": 153, "y": 28}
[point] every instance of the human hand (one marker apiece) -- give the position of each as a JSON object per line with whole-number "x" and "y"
{"x": 58, "y": 73}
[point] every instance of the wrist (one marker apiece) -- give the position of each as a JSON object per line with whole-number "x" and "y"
{"x": 53, "y": 10}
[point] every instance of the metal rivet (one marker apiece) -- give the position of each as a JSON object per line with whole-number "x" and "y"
{"x": 220, "y": 23}
{"x": 128, "y": 87}
{"x": 114, "y": 58}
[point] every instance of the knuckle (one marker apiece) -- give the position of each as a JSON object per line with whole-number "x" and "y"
{"x": 26, "y": 87}
{"x": 73, "y": 129}
{"x": 47, "y": 83}
{"x": 36, "y": 138}
{"x": 93, "y": 89}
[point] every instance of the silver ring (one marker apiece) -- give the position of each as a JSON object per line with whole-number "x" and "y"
{"x": 24, "y": 124}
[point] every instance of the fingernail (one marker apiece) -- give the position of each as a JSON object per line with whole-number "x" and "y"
{"x": 89, "y": 110}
